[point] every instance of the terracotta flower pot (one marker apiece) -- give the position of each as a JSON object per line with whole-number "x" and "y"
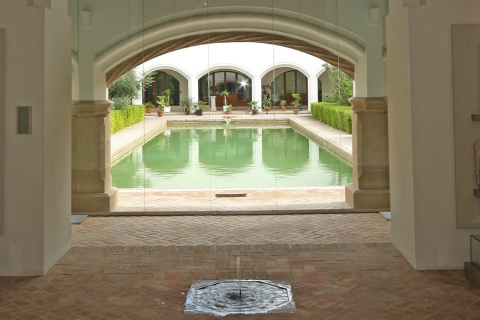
{"x": 160, "y": 113}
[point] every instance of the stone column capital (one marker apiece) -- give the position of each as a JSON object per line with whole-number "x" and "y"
{"x": 369, "y": 105}
{"x": 91, "y": 109}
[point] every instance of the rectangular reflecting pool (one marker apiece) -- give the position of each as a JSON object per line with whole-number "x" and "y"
{"x": 230, "y": 156}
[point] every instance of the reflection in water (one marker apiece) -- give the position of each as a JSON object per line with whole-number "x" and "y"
{"x": 167, "y": 153}
{"x": 285, "y": 150}
{"x": 230, "y": 157}
{"x": 221, "y": 148}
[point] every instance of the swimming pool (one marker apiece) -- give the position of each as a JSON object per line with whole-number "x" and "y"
{"x": 230, "y": 157}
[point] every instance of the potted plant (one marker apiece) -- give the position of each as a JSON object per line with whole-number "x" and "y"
{"x": 267, "y": 104}
{"x": 148, "y": 107}
{"x": 187, "y": 104}
{"x": 254, "y": 106}
{"x": 228, "y": 109}
{"x": 225, "y": 94}
{"x": 296, "y": 102}
{"x": 161, "y": 104}
{"x": 200, "y": 105}
{"x": 283, "y": 104}
{"x": 167, "y": 93}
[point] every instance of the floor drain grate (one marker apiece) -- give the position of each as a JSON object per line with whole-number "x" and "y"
{"x": 225, "y": 297}
{"x": 230, "y": 195}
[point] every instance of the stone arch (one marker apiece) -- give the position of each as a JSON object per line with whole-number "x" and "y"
{"x": 317, "y": 40}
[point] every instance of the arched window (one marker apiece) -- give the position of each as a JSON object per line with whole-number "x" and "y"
{"x": 288, "y": 83}
{"x": 162, "y": 81}
{"x": 237, "y": 84}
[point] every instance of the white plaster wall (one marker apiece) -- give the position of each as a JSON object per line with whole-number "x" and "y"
{"x": 400, "y": 133}
{"x": 25, "y": 247}
{"x": 57, "y": 133}
{"x": 426, "y": 202}
{"x": 253, "y": 59}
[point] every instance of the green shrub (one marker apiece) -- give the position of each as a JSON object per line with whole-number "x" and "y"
{"x": 336, "y": 116}
{"x": 127, "y": 116}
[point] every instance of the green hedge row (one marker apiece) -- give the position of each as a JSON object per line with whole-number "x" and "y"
{"x": 125, "y": 117}
{"x": 336, "y": 116}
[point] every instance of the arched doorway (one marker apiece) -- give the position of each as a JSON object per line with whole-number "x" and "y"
{"x": 289, "y": 82}
{"x": 238, "y": 85}
{"x": 162, "y": 81}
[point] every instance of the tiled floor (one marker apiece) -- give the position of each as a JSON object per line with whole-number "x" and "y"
{"x": 340, "y": 266}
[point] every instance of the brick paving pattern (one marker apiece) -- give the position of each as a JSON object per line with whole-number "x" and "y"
{"x": 142, "y": 268}
{"x": 231, "y": 230}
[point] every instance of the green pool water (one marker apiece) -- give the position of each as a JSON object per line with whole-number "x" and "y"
{"x": 225, "y": 157}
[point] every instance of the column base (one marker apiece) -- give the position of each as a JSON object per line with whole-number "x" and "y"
{"x": 95, "y": 202}
{"x": 375, "y": 199}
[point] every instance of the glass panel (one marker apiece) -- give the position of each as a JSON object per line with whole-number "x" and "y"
{"x": 290, "y": 82}
{"x": 301, "y": 83}
{"x": 279, "y": 89}
{"x": 230, "y": 79}
{"x": 219, "y": 81}
{"x": 203, "y": 87}
{"x": 244, "y": 88}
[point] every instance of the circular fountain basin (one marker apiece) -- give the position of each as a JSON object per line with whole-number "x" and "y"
{"x": 225, "y": 297}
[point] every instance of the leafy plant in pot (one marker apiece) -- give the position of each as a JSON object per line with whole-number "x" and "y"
{"x": 187, "y": 104}
{"x": 225, "y": 94}
{"x": 254, "y": 106}
{"x": 283, "y": 104}
{"x": 161, "y": 104}
{"x": 200, "y": 106}
{"x": 267, "y": 104}
{"x": 228, "y": 109}
{"x": 167, "y": 93}
{"x": 148, "y": 107}
{"x": 296, "y": 102}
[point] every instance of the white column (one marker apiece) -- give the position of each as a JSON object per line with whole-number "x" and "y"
{"x": 37, "y": 165}
{"x": 193, "y": 88}
{"x": 312, "y": 90}
{"x": 257, "y": 90}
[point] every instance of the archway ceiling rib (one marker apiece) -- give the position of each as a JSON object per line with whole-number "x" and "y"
{"x": 222, "y": 37}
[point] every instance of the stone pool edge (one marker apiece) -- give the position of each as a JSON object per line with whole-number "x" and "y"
{"x": 144, "y": 133}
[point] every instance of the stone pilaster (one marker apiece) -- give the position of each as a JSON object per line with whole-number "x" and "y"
{"x": 370, "y": 187}
{"x": 91, "y": 169}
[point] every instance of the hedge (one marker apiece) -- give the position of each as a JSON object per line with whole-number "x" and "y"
{"x": 336, "y": 116}
{"x": 120, "y": 119}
